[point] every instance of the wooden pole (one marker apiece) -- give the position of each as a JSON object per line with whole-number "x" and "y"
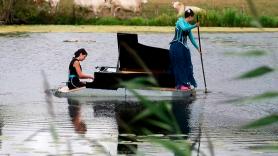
{"x": 201, "y": 55}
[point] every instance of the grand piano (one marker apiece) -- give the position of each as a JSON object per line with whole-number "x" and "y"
{"x": 135, "y": 61}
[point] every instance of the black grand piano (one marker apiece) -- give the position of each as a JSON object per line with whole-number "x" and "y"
{"x": 135, "y": 61}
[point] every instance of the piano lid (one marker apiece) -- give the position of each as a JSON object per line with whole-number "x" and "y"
{"x": 134, "y": 56}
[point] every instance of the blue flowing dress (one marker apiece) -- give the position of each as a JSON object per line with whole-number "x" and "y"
{"x": 180, "y": 56}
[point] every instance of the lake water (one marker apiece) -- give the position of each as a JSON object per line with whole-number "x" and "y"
{"x": 25, "y": 120}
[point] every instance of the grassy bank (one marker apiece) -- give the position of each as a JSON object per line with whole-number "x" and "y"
{"x": 264, "y": 7}
{"x": 224, "y": 18}
{"x": 117, "y": 28}
{"x": 154, "y": 13}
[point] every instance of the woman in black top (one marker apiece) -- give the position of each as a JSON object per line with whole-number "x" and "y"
{"x": 75, "y": 70}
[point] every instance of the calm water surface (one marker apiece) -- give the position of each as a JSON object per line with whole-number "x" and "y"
{"x": 25, "y": 120}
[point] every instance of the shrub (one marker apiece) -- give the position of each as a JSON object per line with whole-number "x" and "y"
{"x": 269, "y": 21}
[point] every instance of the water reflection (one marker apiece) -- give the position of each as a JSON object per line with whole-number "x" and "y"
{"x": 132, "y": 136}
{"x": 75, "y": 114}
{"x": 84, "y": 119}
{"x": 132, "y": 131}
{"x": 128, "y": 111}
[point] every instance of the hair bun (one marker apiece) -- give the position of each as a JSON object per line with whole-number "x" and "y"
{"x": 188, "y": 12}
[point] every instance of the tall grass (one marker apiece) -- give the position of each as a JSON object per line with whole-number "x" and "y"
{"x": 26, "y": 12}
{"x": 226, "y": 18}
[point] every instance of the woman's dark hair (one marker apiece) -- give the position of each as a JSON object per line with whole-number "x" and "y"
{"x": 188, "y": 13}
{"x": 80, "y": 51}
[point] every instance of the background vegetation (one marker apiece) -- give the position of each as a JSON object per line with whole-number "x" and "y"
{"x": 155, "y": 13}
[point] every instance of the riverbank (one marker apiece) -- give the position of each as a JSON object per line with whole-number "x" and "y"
{"x": 157, "y": 13}
{"x": 98, "y": 28}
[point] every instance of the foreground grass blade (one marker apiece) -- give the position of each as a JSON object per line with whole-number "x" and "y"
{"x": 161, "y": 110}
{"x": 140, "y": 82}
{"x": 49, "y": 101}
{"x": 179, "y": 149}
{"x": 263, "y": 122}
{"x": 254, "y": 13}
{"x": 261, "y": 97}
{"x": 256, "y": 72}
{"x": 253, "y": 53}
{"x": 266, "y": 95}
{"x": 161, "y": 125}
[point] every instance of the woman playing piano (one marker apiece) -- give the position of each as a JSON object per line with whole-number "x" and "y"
{"x": 75, "y": 70}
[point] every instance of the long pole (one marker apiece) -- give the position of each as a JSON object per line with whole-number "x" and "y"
{"x": 206, "y": 91}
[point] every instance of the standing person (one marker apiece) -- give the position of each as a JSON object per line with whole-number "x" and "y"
{"x": 180, "y": 56}
{"x": 75, "y": 70}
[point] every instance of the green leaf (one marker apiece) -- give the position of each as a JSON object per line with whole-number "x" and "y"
{"x": 179, "y": 149}
{"x": 266, "y": 95}
{"x": 54, "y": 133}
{"x": 256, "y": 23}
{"x": 142, "y": 115}
{"x": 161, "y": 110}
{"x": 140, "y": 82}
{"x": 260, "y": 97}
{"x": 153, "y": 108}
{"x": 248, "y": 53}
{"x": 255, "y": 14}
{"x": 263, "y": 122}
{"x": 161, "y": 125}
{"x": 256, "y": 72}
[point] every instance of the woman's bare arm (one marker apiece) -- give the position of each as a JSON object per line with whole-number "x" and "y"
{"x": 81, "y": 75}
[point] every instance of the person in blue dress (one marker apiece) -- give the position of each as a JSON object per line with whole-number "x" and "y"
{"x": 180, "y": 56}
